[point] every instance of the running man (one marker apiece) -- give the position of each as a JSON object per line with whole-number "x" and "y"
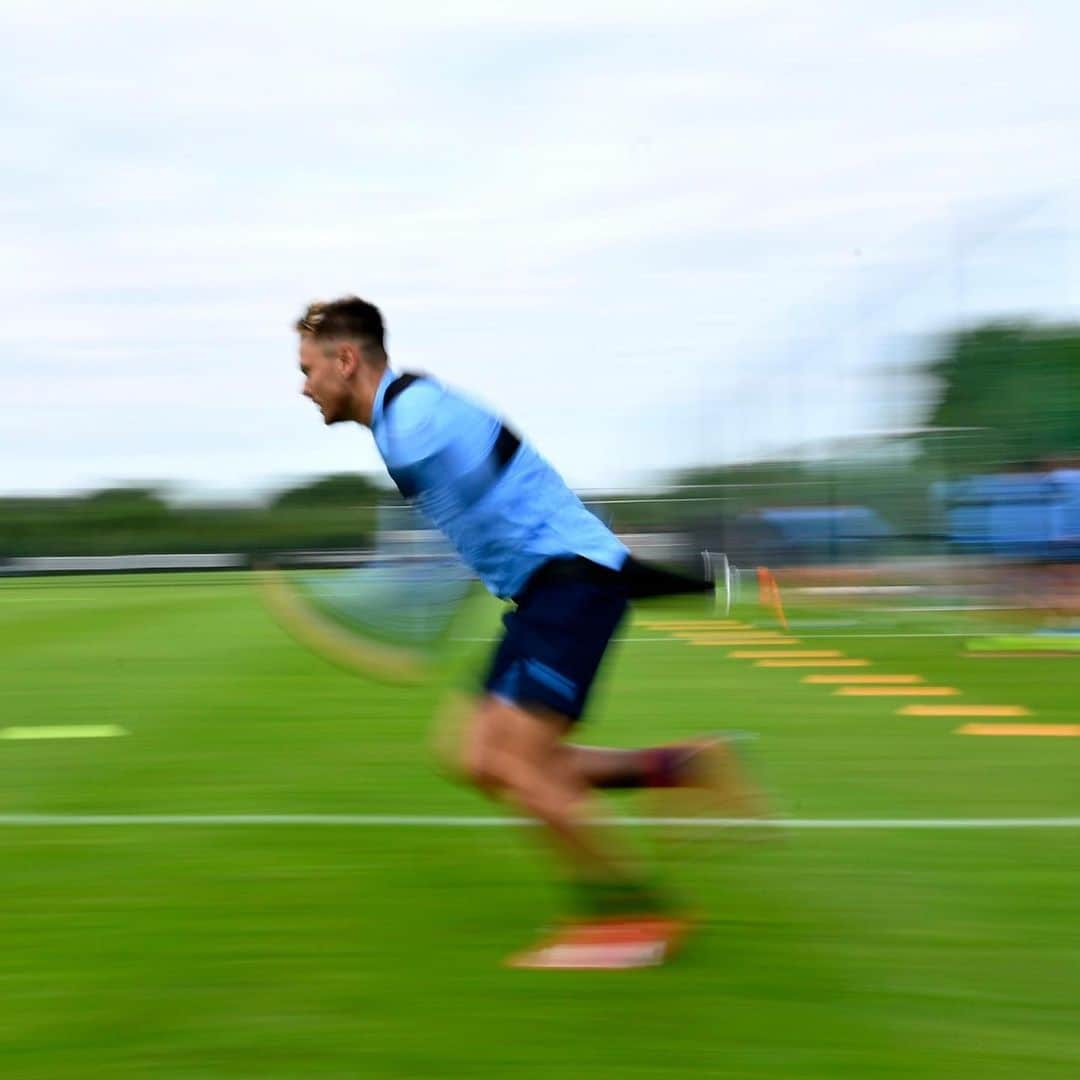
{"x": 531, "y": 541}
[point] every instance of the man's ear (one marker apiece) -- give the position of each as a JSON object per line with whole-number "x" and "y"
{"x": 347, "y": 359}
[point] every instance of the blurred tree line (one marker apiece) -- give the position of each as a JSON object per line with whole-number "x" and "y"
{"x": 331, "y": 512}
{"x": 1008, "y": 397}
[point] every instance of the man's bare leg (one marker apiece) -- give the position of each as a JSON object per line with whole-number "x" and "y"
{"x": 708, "y": 765}
{"x": 470, "y": 734}
{"x": 519, "y": 757}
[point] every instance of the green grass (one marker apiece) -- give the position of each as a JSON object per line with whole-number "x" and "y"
{"x": 374, "y": 952}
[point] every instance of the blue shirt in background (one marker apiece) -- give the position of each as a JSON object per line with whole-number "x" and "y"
{"x": 504, "y": 520}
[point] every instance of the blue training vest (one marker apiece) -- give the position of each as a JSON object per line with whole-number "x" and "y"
{"x": 502, "y": 506}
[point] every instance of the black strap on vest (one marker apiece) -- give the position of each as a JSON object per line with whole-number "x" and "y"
{"x": 402, "y": 382}
{"x": 507, "y": 443}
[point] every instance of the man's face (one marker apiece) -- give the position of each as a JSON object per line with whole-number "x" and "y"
{"x": 325, "y": 380}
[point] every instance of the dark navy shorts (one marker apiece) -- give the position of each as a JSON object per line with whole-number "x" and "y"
{"x": 556, "y": 636}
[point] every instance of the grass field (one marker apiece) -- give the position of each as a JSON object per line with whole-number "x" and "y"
{"x": 285, "y": 950}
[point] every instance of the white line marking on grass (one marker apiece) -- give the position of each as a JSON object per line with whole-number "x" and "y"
{"x": 439, "y": 821}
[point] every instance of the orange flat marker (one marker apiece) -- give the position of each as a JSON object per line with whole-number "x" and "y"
{"x": 964, "y": 710}
{"x": 805, "y": 654}
{"x": 841, "y": 680}
{"x": 769, "y": 594}
{"x": 1059, "y": 730}
{"x": 897, "y": 691}
{"x": 812, "y": 663}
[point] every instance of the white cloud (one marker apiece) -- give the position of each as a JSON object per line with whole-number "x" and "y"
{"x": 659, "y": 202}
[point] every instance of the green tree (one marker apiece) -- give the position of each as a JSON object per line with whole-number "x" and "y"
{"x": 124, "y": 507}
{"x": 337, "y": 490}
{"x": 1009, "y": 393}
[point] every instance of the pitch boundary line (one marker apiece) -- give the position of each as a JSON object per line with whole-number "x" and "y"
{"x": 440, "y": 821}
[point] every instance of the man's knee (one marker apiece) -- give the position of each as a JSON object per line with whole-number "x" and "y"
{"x": 449, "y": 734}
{"x": 503, "y": 746}
{"x": 513, "y": 750}
{"x": 480, "y": 767}
{"x": 481, "y": 757}
{"x": 462, "y": 743}
{"x": 465, "y": 740}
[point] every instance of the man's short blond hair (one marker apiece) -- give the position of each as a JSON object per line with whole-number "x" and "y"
{"x": 348, "y": 317}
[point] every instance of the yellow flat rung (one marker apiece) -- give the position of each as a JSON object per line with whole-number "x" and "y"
{"x": 811, "y": 663}
{"x": 897, "y": 691}
{"x": 771, "y": 642}
{"x": 964, "y": 710}
{"x": 890, "y": 680}
{"x": 802, "y": 654}
{"x": 696, "y": 624}
{"x": 1052, "y": 730}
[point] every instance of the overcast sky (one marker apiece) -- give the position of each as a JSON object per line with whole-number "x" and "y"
{"x": 651, "y": 234}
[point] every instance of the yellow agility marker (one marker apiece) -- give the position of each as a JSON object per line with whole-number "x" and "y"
{"x": 855, "y": 680}
{"x": 771, "y": 642}
{"x": 693, "y": 624}
{"x": 732, "y": 635}
{"x": 785, "y": 663}
{"x": 724, "y": 635}
{"x": 897, "y": 691}
{"x": 68, "y": 731}
{"x": 1045, "y": 730}
{"x": 802, "y": 654}
{"x": 964, "y": 710}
